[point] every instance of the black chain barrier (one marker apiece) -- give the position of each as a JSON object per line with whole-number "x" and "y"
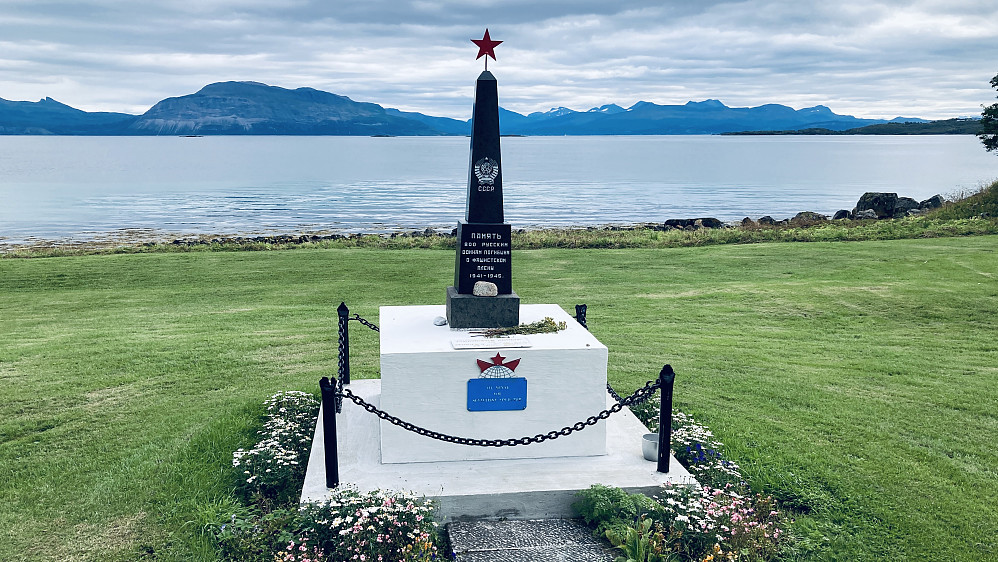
{"x": 640, "y": 395}
{"x": 580, "y": 311}
{"x": 343, "y": 352}
{"x": 366, "y": 323}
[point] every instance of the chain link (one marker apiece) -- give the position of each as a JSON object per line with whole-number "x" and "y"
{"x": 366, "y": 323}
{"x": 613, "y": 393}
{"x": 640, "y": 395}
{"x": 644, "y": 399}
{"x": 615, "y": 396}
{"x": 342, "y": 360}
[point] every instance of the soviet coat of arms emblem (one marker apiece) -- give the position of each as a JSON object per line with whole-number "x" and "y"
{"x": 486, "y": 170}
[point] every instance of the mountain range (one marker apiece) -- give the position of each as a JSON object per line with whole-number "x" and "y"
{"x": 252, "y": 108}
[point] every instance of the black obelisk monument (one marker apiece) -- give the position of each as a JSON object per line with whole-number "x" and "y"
{"x": 484, "y": 241}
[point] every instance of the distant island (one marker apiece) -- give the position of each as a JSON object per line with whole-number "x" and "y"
{"x": 252, "y": 108}
{"x": 964, "y": 126}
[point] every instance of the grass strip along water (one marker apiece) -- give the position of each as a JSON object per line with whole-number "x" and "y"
{"x": 608, "y": 237}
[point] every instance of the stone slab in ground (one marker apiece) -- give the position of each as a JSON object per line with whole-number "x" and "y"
{"x": 532, "y": 488}
{"x": 549, "y": 540}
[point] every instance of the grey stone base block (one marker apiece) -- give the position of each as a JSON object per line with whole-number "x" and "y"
{"x": 550, "y": 540}
{"x": 469, "y": 311}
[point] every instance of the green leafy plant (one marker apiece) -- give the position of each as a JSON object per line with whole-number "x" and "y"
{"x": 747, "y": 524}
{"x": 644, "y": 542}
{"x": 988, "y": 132}
{"x": 257, "y": 538}
{"x": 689, "y": 529}
{"x": 611, "y": 509}
{"x": 300, "y": 552}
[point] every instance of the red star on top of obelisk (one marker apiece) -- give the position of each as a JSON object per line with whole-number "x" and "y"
{"x": 486, "y": 48}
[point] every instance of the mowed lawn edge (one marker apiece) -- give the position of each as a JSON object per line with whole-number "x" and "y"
{"x": 853, "y": 380}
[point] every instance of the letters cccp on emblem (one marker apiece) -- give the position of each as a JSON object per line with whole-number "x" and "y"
{"x": 486, "y": 170}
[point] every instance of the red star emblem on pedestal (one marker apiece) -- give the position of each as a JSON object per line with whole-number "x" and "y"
{"x": 486, "y": 48}
{"x": 497, "y": 360}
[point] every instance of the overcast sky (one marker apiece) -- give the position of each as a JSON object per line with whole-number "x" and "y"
{"x": 869, "y": 58}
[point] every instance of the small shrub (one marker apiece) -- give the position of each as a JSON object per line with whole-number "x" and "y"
{"x": 300, "y": 552}
{"x": 611, "y": 509}
{"x": 257, "y": 538}
{"x": 647, "y": 412}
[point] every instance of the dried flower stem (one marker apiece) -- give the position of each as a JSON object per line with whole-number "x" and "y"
{"x": 546, "y": 326}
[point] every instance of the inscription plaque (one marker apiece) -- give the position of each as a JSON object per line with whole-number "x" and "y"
{"x": 483, "y": 254}
{"x": 488, "y": 394}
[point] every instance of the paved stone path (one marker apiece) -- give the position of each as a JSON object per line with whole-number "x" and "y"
{"x": 547, "y": 540}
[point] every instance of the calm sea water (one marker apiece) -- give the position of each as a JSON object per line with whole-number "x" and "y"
{"x": 78, "y": 187}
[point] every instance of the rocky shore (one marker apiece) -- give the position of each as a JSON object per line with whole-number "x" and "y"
{"x": 871, "y": 206}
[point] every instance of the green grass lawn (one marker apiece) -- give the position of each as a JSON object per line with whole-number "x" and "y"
{"x": 856, "y": 381}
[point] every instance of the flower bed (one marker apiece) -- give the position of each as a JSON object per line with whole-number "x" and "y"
{"x": 381, "y": 526}
{"x": 280, "y": 458}
{"x": 719, "y": 520}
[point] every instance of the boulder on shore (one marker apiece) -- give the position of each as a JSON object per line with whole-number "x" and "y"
{"x": 841, "y": 214}
{"x": 904, "y": 205}
{"x": 807, "y": 217}
{"x": 933, "y": 202}
{"x": 693, "y": 224}
{"x": 883, "y": 204}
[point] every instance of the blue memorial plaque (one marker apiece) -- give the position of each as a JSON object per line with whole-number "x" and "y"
{"x": 495, "y": 394}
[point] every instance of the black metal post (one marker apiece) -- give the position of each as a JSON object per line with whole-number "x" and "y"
{"x": 329, "y": 432}
{"x": 580, "y": 315}
{"x": 344, "y": 344}
{"x": 666, "y": 378}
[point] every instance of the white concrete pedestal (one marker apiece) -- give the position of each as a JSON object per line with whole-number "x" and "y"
{"x": 425, "y": 371}
{"x": 424, "y": 379}
{"x": 490, "y": 489}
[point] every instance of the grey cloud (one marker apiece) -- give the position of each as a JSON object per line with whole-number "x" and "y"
{"x": 853, "y": 56}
